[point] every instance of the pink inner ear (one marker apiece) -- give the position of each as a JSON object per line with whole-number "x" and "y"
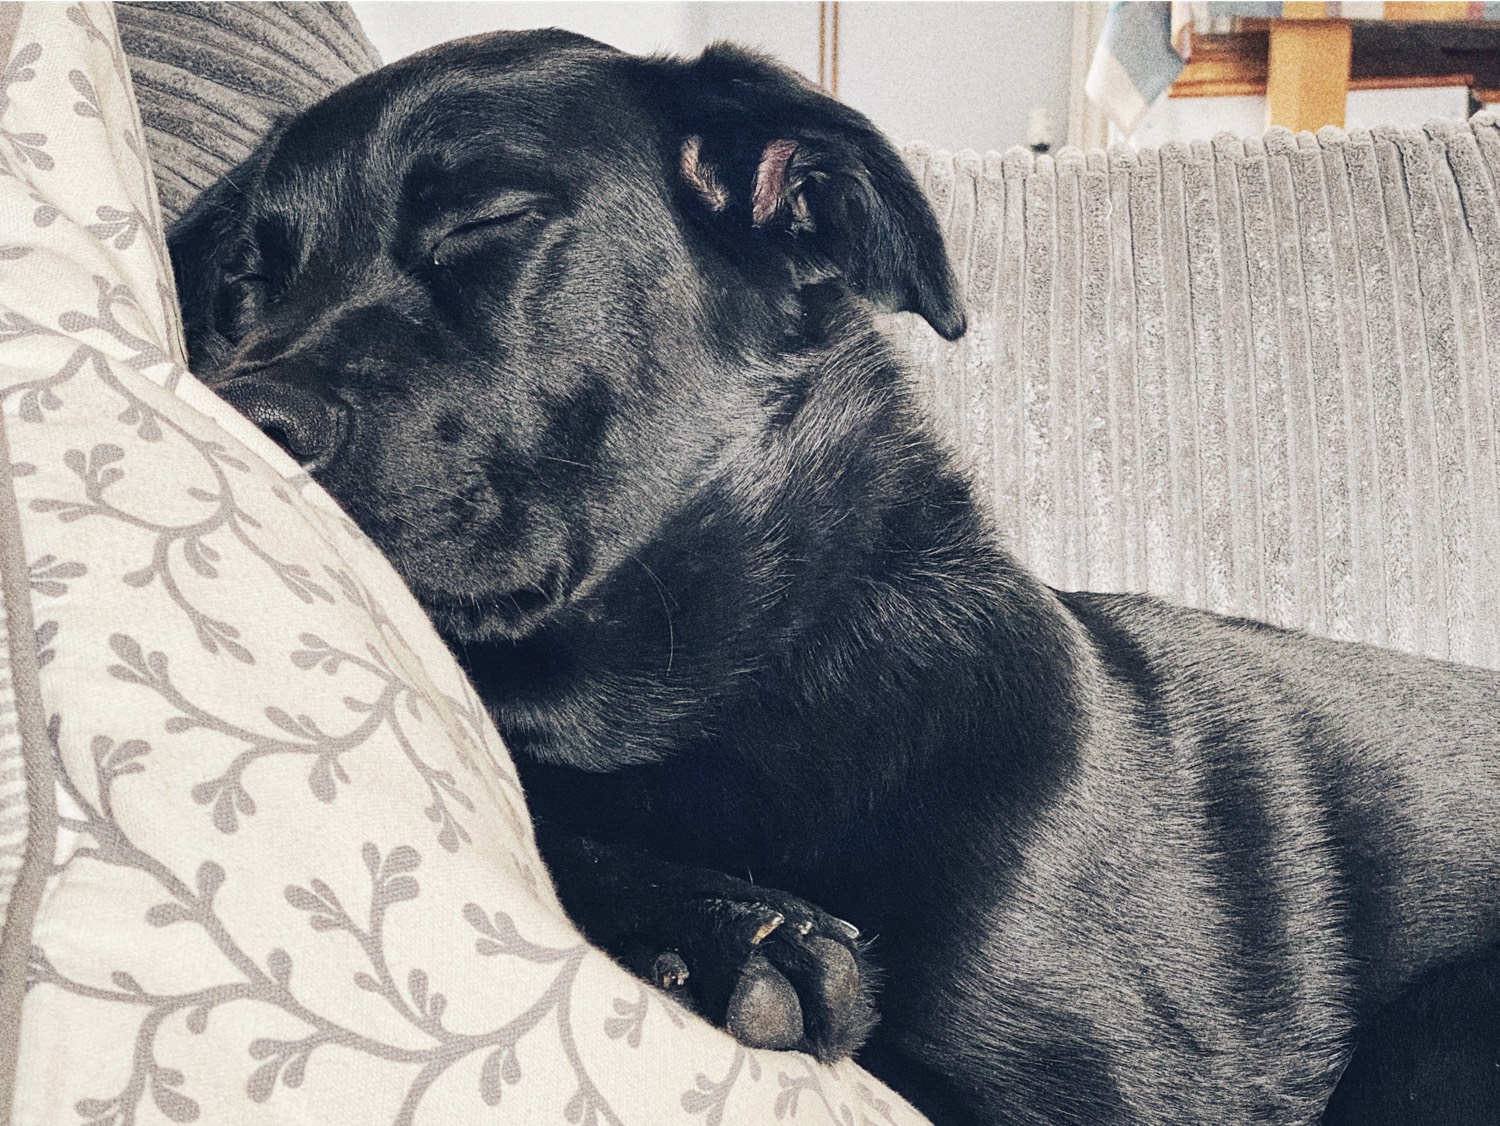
{"x": 770, "y": 180}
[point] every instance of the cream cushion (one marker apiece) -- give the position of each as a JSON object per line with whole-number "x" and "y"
{"x": 263, "y": 857}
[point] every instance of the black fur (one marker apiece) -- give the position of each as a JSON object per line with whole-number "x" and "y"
{"x": 584, "y": 341}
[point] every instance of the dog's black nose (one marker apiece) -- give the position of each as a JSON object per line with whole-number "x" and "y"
{"x": 305, "y": 425}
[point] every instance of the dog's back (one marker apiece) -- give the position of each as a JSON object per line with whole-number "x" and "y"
{"x": 1267, "y": 837}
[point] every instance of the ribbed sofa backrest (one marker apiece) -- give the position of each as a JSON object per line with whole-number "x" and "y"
{"x": 1257, "y": 376}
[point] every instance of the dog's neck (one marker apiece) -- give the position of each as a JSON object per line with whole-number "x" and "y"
{"x": 839, "y": 589}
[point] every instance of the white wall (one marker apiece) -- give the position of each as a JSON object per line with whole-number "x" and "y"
{"x": 959, "y": 75}
{"x": 1195, "y": 119}
{"x": 399, "y": 27}
{"x": 788, "y": 30}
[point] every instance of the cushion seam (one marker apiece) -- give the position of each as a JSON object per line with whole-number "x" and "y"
{"x": 36, "y": 746}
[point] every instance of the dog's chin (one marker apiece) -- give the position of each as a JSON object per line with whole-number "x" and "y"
{"x": 488, "y": 617}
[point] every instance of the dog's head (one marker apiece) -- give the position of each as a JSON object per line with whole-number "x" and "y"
{"x": 513, "y": 300}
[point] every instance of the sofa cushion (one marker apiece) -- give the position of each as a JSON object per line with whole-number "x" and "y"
{"x": 263, "y": 855}
{"x": 1260, "y": 375}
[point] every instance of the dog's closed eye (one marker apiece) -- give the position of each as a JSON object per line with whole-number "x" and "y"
{"x": 498, "y": 220}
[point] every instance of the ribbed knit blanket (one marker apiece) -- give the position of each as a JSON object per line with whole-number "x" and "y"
{"x": 1257, "y": 376}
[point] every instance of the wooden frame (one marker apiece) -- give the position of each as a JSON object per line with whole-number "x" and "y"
{"x": 1299, "y": 64}
{"x": 1307, "y": 71}
{"x": 828, "y": 46}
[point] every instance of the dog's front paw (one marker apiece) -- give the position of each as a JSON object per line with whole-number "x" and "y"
{"x": 771, "y": 969}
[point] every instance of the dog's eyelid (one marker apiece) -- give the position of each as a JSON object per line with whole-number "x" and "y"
{"x": 506, "y": 209}
{"x": 501, "y": 213}
{"x": 499, "y": 219}
{"x": 500, "y": 206}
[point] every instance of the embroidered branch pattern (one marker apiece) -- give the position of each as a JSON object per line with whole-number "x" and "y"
{"x": 30, "y": 147}
{"x": 49, "y": 576}
{"x": 301, "y": 735}
{"x": 141, "y": 217}
{"x": 285, "y": 1062}
{"x": 97, "y": 473}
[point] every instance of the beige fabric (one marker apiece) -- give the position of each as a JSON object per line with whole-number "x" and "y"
{"x": 294, "y": 879}
{"x": 28, "y": 832}
{"x": 1256, "y": 376}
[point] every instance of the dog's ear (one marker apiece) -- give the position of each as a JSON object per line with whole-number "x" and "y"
{"x": 198, "y": 243}
{"x": 766, "y": 156}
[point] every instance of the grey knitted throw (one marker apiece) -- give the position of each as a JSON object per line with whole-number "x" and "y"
{"x": 1254, "y": 376}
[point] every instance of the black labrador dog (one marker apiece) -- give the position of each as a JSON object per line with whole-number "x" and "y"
{"x": 585, "y": 342}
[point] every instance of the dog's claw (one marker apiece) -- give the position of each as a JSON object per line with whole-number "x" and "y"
{"x": 669, "y": 971}
{"x": 849, "y": 928}
{"x": 769, "y": 926}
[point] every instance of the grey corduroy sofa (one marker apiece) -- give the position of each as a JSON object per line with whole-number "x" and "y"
{"x": 1257, "y": 376}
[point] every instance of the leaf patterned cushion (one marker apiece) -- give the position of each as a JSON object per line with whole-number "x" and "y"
{"x": 263, "y": 859}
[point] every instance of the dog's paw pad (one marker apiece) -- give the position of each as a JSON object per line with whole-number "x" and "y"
{"x": 837, "y": 1009}
{"x": 837, "y": 976}
{"x": 773, "y": 970}
{"x": 764, "y": 1011}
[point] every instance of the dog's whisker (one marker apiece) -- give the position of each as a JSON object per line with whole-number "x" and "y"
{"x": 403, "y": 518}
{"x": 661, "y": 592}
{"x": 565, "y": 461}
{"x": 444, "y": 494}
